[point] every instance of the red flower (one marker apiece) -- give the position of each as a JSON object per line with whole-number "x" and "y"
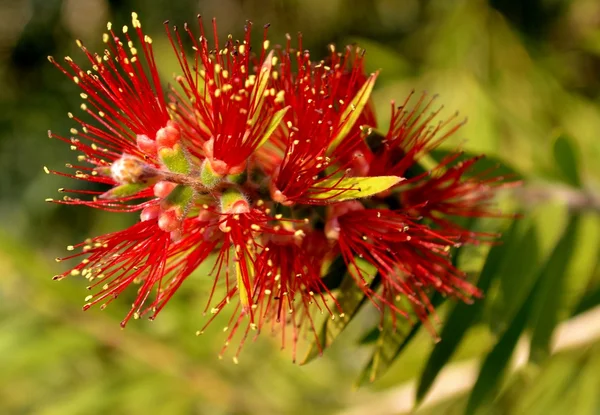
{"x": 263, "y": 162}
{"x": 409, "y": 257}
{"x": 227, "y": 90}
{"x": 320, "y": 131}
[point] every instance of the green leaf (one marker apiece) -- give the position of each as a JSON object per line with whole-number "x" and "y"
{"x": 350, "y": 298}
{"x": 496, "y": 362}
{"x": 390, "y": 343}
{"x": 340, "y": 189}
{"x": 590, "y": 300}
{"x": 336, "y": 271}
{"x": 273, "y": 124}
{"x": 584, "y": 263}
{"x": 463, "y": 315}
{"x": 124, "y": 190}
{"x": 352, "y": 113}
{"x": 370, "y": 337}
{"x": 568, "y": 383}
{"x": 545, "y": 313}
{"x": 525, "y": 258}
{"x": 566, "y": 158}
{"x": 499, "y": 167}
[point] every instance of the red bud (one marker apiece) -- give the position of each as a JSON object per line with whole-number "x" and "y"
{"x": 163, "y": 189}
{"x": 146, "y": 144}
{"x": 168, "y": 136}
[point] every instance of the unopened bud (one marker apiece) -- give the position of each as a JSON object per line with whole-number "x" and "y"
{"x": 150, "y": 212}
{"x": 162, "y": 189}
{"x": 129, "y": 169}
{"x": 146, "y": 144}
{"x": 169, "y": 220}
{"x": 169, "y": 136}
{"x": 176, "y": 235}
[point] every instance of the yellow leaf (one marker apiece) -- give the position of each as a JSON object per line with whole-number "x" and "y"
{"x": 352, "y": 112}
{"x": 273, "y": 124}
{"x": 258, "y": 92}
{"x": 340, "y": 189}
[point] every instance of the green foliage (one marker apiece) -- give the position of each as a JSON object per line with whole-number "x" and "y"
{"x": 567, "y": 160}
{"x": 463, "y": 315}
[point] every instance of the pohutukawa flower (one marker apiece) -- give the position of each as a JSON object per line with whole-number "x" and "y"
{"x": 264, "y": 164}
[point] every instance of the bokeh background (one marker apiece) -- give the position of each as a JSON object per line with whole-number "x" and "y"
{"x": 526, "y": 73}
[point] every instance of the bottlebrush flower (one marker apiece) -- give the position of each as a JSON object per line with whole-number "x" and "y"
{"x": 262, "y": 164}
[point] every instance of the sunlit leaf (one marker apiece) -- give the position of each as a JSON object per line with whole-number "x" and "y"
{"x": 257, "y": 97}
{"x": 273, "y": 124}
{"x": 124, "y": 190}
{"x": 340, "y": 189}
{"x": 352, "y": 112}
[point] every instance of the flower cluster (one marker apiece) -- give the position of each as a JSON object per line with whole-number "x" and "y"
{"x": 267, "y": 164}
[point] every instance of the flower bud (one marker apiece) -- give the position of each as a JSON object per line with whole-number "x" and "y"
{"x": 150, "y": 212}
{"x": 163, "y": 188}
{"x": 169, "y": 136}
{"x": 129, "y": 169}
{"x": 169, "y": 220}
{"x": 146, "y": 144}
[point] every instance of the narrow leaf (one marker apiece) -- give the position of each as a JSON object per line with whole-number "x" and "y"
{"x": 390, "y": 343}
{"x": 351, "y": 298}
{"x": 257, "y": 97}
{"x": 340, "y": 189}
{"x": 352, "y": 112}
{"x": 590, "y": 300}
{"x": 495, "y": 364}
{"x": 273, "y": 124}
{"x": 500, "y": 168}
{"x": 124, "y": 190}
{"x": 463, "y": 315}
{"x": 565, "y": 156}
{"x": 545, "y": 313}
{"x": 526, "y": 257}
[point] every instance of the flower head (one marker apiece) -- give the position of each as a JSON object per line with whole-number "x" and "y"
{"x": 263, "y": 164}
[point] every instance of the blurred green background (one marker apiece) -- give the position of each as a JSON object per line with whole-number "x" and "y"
{"x": 526, "y": 73}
